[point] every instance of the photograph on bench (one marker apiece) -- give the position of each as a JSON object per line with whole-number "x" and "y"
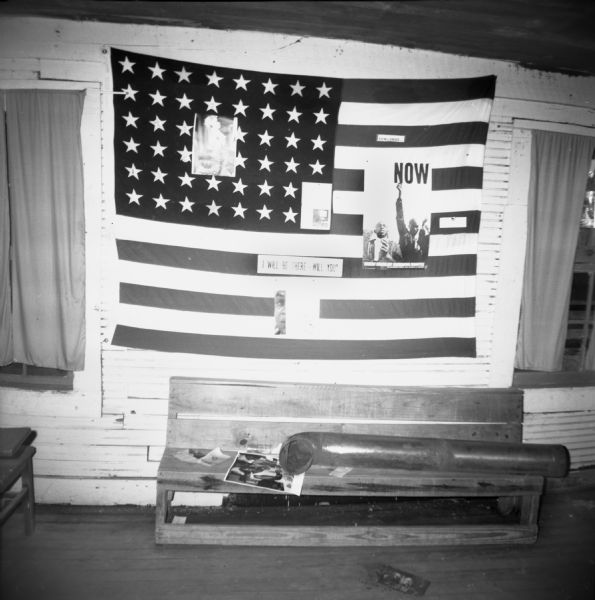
{"x": 263, "y": 471}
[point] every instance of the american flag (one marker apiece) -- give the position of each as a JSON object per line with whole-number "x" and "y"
{"x": 189, "y": 241}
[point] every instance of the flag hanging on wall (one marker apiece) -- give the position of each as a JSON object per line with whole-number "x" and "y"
{"x": 277, "y": 216}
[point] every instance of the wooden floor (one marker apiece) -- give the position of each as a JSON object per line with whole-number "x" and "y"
{"x": 109, "y": 554}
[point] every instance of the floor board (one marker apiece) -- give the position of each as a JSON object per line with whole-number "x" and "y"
{"x": 96, "y": 553}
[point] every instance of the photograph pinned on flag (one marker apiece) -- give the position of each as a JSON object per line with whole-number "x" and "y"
{"x": 214, "y": 145}
{"x": 280, "y": 313}
{"x": 396, "y": 226}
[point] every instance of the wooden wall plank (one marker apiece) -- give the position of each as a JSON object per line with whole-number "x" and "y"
{"x": 92, "y": 491}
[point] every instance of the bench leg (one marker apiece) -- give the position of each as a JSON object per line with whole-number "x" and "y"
{"x": 164, "y": 498}
{"x": 29, "y": 500}
{"x": 530, "y": 509}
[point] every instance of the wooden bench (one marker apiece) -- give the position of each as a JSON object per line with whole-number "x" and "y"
{"x": 235, "y": 415}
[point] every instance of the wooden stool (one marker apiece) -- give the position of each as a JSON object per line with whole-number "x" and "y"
{"x": 16, "y": 461}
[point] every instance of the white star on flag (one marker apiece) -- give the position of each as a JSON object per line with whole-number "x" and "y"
{"x": 290, "y": 215}
{"x": 213, "y": 183}
{"x": 158, "y": 124}
{"x": 186, "y": 204}
{"x": 212, "y": 104}
{"x": 239, "y": 136}
{"x": 133, "y": 171}
{"x": 240, "y": 108}
{"x": 290, "y": 190}
{"x": 294, "y": 115}
{"x": 324, "y": 90}
{"x": 214, "y": 79}
{"x": 242, "y": 83}
{"x": 269, "y": 86}
{"x": 318, "y": 143}
{"x": 297, "y": 88}
{"x": 321, "y": 116}
{"x": 267, "y": 112}
{"x": 214, "y": 208}
{"x": 291, "y": 165}
{"x": 184, "y": 101}
{"x": 157, "y": 71}
{"x": 130, "y": 119}
{"x": 265, "y": 138}
{"x": 185, "y": 129}
{"x": 265, "y": 188}
{"x": 129, "y": 93}
{"x": 239, "y": 210}
{"x": 264, "y": 212}
{"x": 127, "y": 65}
{"x": 158, "y": 98}
{"x": 185, "y": 154}
{"x": 160, "y": 202}
{"x": 265, "y": 163}
{"x": 158, "y": 149}
{"x": 292, "y": 140}
{"x": 239, "y": 161}
{"x": 239, "y": 187}
{"x": 186, "y": 179}
{"x": 134, "y": 197}
{"x": 317, "y": 167}
{"x": 183, "y": 75}
{"x": 131, "y": 145}
{"x": 159, "y": 175}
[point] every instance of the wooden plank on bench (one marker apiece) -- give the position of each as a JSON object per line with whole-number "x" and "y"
{"x": 414, "y": 535}
{"x": 189, "y": 476}
{"x": 205, "y": 413}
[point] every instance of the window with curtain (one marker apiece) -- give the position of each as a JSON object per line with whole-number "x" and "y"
{"x": 42, "y": 253}
{"x": 579, "y": 352}
{"x": 559, "y": 169}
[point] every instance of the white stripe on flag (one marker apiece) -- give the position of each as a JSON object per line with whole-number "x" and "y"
{"x": 354, "y": 203}
{"x": 442, "y": 157}
{"x": 266, "y": 287}
{"x": 430, "y": 113}
{"x": 162, "y": 319}
{"x": 227, "y": 240}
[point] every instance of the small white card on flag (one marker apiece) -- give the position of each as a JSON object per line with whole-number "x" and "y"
{"x": 316, "y": 206}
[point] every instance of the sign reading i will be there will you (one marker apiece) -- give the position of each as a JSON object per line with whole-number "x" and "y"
{"x": 300, "y": 265}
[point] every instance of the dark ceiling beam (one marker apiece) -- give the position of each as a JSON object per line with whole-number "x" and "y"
{"x": 554, "y": 35}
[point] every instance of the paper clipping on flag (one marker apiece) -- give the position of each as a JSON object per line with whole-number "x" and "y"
{"x": 397, "y": 226}
{"x": 280, "y": 313}
{"x": 308, "y": 266}
{"x": 316, "y": 205}
{"x": 453, "y": 222}
{"x": 263, "y": 471}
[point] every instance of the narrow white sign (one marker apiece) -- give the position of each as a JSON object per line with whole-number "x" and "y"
{"x": 308, "y": 266}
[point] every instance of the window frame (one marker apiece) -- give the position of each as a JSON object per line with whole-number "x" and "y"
{"x": 33, "y": 377}
{"x": 522, "y": 129}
